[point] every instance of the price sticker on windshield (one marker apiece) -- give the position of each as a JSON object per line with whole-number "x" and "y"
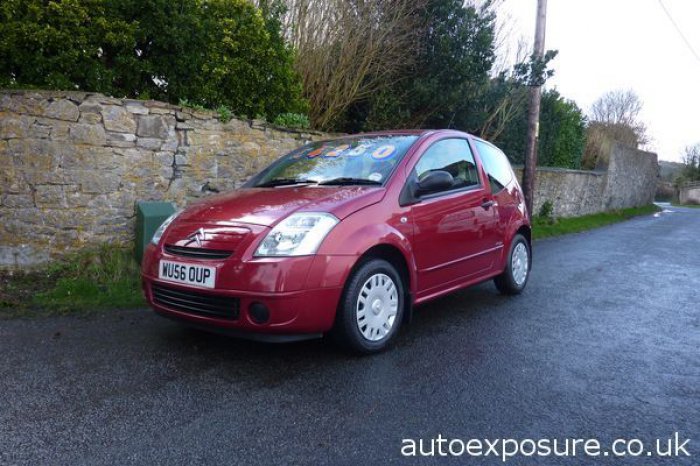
{"x": 384, "y": 152}
{"x": 316, "y": 152}
{"x": 337, "y": 151}
{"x": 359, "y": 150}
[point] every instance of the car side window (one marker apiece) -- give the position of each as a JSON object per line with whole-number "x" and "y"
{"x": 453, "y": 156}
{"x": 495, "y": 164}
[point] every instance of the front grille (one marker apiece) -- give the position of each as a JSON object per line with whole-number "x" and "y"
{"x": 193, "y": 302}
{"x": 198, "y": 253}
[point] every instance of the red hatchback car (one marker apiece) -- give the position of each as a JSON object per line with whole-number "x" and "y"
{"x": 344, "y": 237}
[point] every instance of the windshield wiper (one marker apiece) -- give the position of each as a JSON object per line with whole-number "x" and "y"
{"x": 284, "y": 182}
{"x": 350, "y": 181}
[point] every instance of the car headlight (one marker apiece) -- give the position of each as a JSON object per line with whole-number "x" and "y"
{"x": 298, "y": 235}
{"x": 161, "y": 229}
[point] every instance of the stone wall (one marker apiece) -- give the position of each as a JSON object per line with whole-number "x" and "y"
{"x": 629, "y": 180}
{"x": 73, "y": 164}
{"x": 571, "y": 192}
{"x": 690, "y": 195}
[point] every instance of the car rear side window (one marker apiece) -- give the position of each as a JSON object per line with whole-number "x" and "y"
{"x": 495, "y": 164}
{"x": 453, "y": 156}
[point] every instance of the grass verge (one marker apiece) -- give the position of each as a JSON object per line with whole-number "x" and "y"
{"x": 692, "y": 206}
{"x": 546, "y": 227}
{"x": 106, "y": 278}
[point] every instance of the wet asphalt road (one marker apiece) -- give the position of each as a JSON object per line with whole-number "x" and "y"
{"x": 604, "y": 343}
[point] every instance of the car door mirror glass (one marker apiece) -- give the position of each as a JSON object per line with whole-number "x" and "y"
{"x": 435, "y": 181}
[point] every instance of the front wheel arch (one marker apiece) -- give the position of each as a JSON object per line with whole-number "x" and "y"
{"x": 346, "y": 331}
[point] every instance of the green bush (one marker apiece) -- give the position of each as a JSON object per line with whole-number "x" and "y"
{"x": 210, "y": 53}
{"x": 562, "y": 133}
{"x": 546, "y": 212}
{"x": 194, "y": 106}
{"x": 442, "y": 87}
{"x": 292, "y": 120}
{"x": 225, "y": 113}
{"x": 62, "y": 45}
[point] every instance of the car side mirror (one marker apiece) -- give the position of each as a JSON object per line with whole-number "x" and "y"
{"x": 437, "y": 180}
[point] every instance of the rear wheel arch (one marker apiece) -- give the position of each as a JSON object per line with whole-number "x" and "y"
{"x": 526, "y": 231}
{"x": 516, "y": 272}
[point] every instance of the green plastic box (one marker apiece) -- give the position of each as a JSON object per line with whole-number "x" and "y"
{"x": 149, "y": 216}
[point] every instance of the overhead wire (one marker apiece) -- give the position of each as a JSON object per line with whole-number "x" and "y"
{"x": 680, "y": 33}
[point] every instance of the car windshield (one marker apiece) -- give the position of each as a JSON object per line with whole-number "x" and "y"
{"x": 358, "y": 160}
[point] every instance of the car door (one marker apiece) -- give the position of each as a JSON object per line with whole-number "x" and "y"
{"x": 454, "y": 230}
{"x": 502, "y": 181}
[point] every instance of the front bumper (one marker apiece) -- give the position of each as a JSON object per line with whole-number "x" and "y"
{"x": 301, "y": 294}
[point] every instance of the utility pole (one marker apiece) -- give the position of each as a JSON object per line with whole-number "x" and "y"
{"x": 533, "y": 113}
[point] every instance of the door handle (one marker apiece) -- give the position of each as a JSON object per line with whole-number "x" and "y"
{"x": 487, "y": 204}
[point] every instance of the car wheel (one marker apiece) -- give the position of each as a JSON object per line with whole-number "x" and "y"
{"x": 514, "y": 278}
{"x": 371, "y": 308}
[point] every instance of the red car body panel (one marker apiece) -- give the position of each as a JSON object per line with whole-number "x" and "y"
{"x": 447, "y": 242}
{"x": 267, "y": 207}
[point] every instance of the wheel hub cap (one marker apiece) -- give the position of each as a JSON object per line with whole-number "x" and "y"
{"x": 520, "y": 264}
{"x": 377, "y": 306}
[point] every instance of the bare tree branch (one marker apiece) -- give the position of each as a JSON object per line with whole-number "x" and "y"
{"x": 619, "y": 111}
{"x": 349, "y": 49}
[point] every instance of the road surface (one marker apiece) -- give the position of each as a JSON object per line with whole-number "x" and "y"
{"x": 604, "y": 344}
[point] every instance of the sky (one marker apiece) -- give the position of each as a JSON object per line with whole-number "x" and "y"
{"x": 623, "y": 44}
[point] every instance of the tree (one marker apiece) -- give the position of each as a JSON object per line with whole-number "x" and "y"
{"x": 160, "y": 63}
{"x": 349, "y": 51}
{"x": 614, "y": 117}
{"x": 504, "y": 101}
{"x": 440, "y": 81}
{"x": 618, "y": 112}
{"x": 61, "y": 45}
{"x": 452, "y": 80}
{"x": 691, "y": 162}
{"x": 454, "y": 65}
{"x": 562, "y": 133}
{"x": 244, "y": 65}
{"x": 600, "y": 138}
{"x": 209, "y": 52}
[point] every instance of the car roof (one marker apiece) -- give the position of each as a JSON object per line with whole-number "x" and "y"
{"x": 407, "y": 132}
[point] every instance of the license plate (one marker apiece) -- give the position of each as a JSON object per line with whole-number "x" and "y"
{"x": 189, "y": 274}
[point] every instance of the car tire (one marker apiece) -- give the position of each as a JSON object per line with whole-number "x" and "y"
{"x": 371, "y": 309}
{"x": 515, "y": 276}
